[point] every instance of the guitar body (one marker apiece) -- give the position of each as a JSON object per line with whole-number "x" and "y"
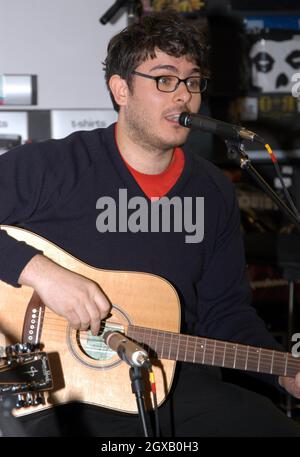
{"x": 83, "y": 368}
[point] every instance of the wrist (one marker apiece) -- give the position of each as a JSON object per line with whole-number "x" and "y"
{"x": 31, "y": 273}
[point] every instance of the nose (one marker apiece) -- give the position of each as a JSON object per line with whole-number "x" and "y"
{"x": 182, "y": 93}
{"x": 282, "y": 80}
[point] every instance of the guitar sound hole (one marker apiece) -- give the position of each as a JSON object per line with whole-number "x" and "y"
{"x": 91, "y": 350}
{"x": 94, "y": 346}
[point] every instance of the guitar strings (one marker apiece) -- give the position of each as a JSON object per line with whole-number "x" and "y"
{"x": 214, "y": 350}
{"x": 155, "y": 339}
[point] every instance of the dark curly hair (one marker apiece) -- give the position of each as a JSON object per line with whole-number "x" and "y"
{"x": 167, "y": 31}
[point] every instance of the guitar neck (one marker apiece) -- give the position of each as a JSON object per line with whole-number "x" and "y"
{"x": 206, "y": 351}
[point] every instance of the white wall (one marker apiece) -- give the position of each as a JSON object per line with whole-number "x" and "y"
{"x": 63, "y": 43}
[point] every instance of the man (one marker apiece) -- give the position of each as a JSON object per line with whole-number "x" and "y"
{"x": 155, "y": 70}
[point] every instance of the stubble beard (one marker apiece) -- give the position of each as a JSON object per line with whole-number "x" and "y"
{"x": 141, "y": 132}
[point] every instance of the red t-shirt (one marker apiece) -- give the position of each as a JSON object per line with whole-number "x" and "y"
{"x": 156, "y": 186}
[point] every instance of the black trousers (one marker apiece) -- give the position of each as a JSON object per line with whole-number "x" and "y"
{"x": 200, "y": 405}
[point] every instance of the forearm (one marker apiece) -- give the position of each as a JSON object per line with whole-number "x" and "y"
{"x": 78, "y": 299}
{"x": 36, "y": 269}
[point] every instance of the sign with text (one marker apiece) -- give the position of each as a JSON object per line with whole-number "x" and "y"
{"x": 64, "y": 122}
{"x": 14, "y": 123}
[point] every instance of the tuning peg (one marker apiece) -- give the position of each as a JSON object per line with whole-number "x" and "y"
{"x": 28, "y": 347}
{"x": 8, "y": 349}
{"x": 29, "y": 399}
{"x": 21, "y": 402}
{"x": 19, "y": 348}
{"x": 39, "y": 399}
{"x": 9, "y": 353}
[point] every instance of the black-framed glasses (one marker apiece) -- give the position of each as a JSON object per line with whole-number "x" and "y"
{"x": 169, "y": 83}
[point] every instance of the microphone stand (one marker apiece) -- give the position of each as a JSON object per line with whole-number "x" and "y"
{"x": 134, "y": 9}
{"x": 137, "y": 385}
{"x": 235, "y": 147}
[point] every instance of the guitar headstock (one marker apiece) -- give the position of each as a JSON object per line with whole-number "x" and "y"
{"x": 25, "y": 374}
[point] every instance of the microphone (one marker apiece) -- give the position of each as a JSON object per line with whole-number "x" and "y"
{"x": 207, "y": 124}
{"x": 127, "y": 350}
{"x": 112, "y": 11}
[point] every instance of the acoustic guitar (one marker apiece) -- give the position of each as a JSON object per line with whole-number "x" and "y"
{"x": 146, "y": 309}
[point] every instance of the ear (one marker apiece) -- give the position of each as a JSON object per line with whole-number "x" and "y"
{"x": 119, "y": 89}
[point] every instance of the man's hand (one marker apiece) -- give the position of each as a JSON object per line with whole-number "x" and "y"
{"x": 68, "y": 294}
{"x": 291, "y": 385}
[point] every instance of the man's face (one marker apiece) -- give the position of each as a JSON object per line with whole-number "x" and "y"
{"x": 148, "y": 113}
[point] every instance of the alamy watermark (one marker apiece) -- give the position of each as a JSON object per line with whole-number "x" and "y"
{"x": 296, "y": 86}
{"x": 296, "y": 346}
{"x": 139, "y": 214}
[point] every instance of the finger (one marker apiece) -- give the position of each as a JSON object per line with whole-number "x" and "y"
{"x": 95, "y": 327}
{"x": 297, "y": 380}
{"x": 102, "y": 304}
{"x": 297, "y": 385}
{"x": 95, "y": 318}
{"x": 84, "y": 317}
{"x": 74, "y": 319}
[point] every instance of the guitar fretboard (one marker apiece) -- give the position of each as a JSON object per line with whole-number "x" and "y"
{"x": 186, "y": 348}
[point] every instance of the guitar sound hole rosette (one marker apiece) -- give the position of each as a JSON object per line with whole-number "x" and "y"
{"x": 91, "y": 350}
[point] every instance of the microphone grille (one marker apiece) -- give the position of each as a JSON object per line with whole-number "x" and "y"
{"x": 184, "y": 119}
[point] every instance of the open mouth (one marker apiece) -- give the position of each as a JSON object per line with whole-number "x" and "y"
{"x": 173, "y": 117}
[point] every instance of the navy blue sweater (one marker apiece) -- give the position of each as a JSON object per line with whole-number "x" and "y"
{"x": 52, "y": 187}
